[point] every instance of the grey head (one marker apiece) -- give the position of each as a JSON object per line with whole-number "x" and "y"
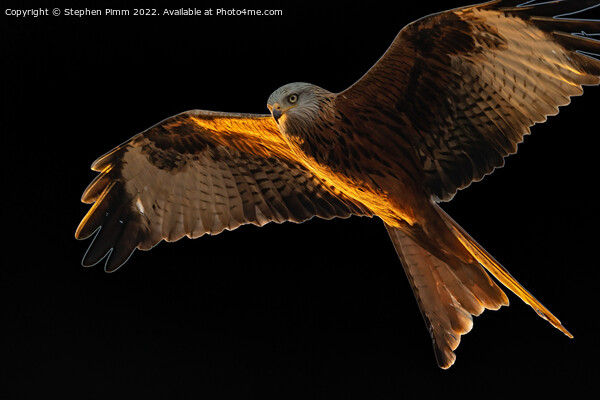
{"x": 297, "y": 105}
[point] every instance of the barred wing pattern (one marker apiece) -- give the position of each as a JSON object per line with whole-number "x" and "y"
{"x": 463, "y": 87}
{"x": 195, "y": 173}
{"x": 452, "y": 97}
{"x": 467, "y": 84}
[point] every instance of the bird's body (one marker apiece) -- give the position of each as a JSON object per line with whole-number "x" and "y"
{"x": 454, "y": 94}
{"x": 362, "y": 157}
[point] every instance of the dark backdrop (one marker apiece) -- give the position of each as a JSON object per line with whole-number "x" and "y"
{"x": 318, "y": 310}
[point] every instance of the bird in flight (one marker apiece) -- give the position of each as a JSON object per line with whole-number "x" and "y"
{"x": 453, "y": 95}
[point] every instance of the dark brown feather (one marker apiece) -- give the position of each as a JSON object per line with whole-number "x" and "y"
{"x": 464, "y": 86}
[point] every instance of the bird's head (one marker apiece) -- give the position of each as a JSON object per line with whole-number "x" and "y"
{"x": 297, "y": 105}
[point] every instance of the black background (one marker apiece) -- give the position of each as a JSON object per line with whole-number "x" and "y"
{"x": 319, "y": 310}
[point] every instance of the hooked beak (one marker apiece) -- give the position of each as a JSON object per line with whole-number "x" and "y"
{"x": 276, "y": 111}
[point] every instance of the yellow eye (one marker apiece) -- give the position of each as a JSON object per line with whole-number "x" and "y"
{"x": 293, "y": 98}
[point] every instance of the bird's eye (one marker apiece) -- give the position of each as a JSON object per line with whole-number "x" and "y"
{"x": 293, "y": 98}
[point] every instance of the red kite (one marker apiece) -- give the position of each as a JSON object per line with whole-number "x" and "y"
{"x": 451, "y": 98}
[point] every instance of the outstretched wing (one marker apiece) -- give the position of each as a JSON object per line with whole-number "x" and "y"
{"x": 199, "y": 172}
{"x": 465, "y": 85}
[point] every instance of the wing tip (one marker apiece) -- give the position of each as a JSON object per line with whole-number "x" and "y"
{"x": 108, "y": 159}
{"x": 115, "y": 253}
{"x": 110, "y": 263}
{"x": 117, "y": 228}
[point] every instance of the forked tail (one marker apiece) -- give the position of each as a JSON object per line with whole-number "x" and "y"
{"x": 449, "y": 291}
{"x": 499, "y": 272}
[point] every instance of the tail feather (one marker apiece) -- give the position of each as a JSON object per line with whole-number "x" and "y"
{"x": 447, "y": 295}
{"x": 500, "y": 273}
{"x": 452, "y": 285}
